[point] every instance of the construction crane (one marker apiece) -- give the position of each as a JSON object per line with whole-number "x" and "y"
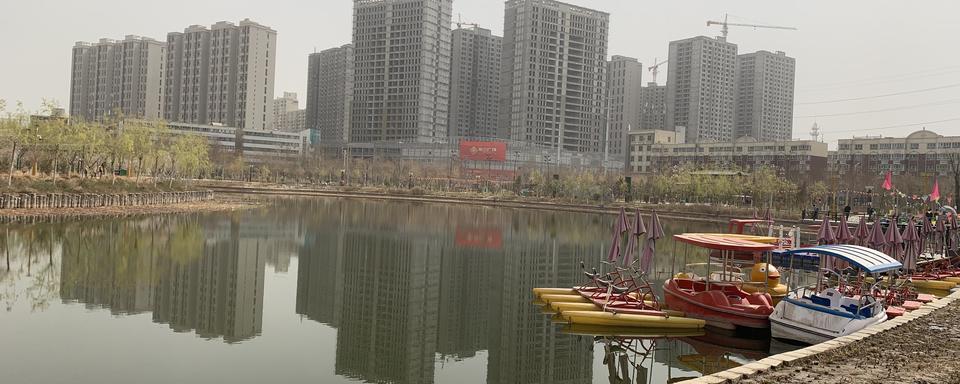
{"x": 654, "y": 69}
{"x": 460, "y": 23}
{"x": 726, "y": 25}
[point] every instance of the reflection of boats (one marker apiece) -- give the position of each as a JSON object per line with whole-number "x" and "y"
{"x": 754, "y": 346}
{"x": 715, "y": 298}
{"x": 629, "y": 332}
{"x": 630, "y": 320}
{"x": 823, "y": 314}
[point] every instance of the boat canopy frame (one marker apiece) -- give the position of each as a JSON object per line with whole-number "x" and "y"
{"x": 867, "y": 259}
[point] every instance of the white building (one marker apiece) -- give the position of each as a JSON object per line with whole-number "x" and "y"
{"x": 625, "y": 101}
{"x": 765, "y": 89}
{"x": 223, "y": 75}
{"x": 553, "y": 79}
{"x": 475, "y": 83}
{"x": 701, "y": 88}
{"x": 401, "y": 87}
{"x": 256, "y": 143}
{"x": 111, "y": 78}
{"x": 330, "y": 94}
{"x": 653, "y": 107}
{"x": 922, "y": 153}
{"x": 287, "y": 115}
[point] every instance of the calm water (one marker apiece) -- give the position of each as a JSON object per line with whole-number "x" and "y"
{"x": 321, "y": 291}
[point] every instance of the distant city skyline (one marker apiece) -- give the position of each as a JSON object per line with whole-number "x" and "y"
{"x": 840, "y": 53}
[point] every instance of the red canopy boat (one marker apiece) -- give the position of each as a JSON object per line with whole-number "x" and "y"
{"x": 720, "y": 302}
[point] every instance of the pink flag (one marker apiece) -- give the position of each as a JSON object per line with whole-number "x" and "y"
{"x": 888, "y": 181}
{"x": 935, "y": 195}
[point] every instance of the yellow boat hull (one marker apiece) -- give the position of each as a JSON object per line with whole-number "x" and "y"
{"x": 629, "y": 332}
{"x": 627, "y": 320}
{"x": 552, "y": 298}
{"x": 955, "y": 280}
{"x": 553, "y": 291}
{"x": 939, "y": 285}
{"x": 560, "y": 307}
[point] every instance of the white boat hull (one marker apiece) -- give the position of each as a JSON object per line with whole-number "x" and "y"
{"x": 791, "y": 321}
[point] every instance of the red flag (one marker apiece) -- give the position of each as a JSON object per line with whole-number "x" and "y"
{"x": 888, "y": 181}
{"x": 935, "y": 195}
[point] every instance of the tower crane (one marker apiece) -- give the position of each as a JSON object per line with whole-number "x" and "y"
{"x": 460, "y": 23}
{"x": 726, "y": 25}
{"x": 654, "y": 69}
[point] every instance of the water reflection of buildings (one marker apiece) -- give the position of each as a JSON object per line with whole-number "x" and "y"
{"x": 192, "y": 273}
{"x": 403, "y": 292}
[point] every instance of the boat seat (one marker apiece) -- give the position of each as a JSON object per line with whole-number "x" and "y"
{"x": 820, "y": 300}
{"x": 865, "y": 312}
{"x": 617, "y": 289}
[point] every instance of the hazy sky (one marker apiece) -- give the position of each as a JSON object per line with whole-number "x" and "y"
{"x": 844, "y": 49}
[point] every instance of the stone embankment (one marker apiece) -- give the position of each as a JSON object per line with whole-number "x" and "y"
{"x": 95, "y": 200}
{"x": 919, "y": 347}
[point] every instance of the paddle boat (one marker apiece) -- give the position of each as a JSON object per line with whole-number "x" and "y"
{"x": 718, "y": 298}
{"x": 817, "y": 315}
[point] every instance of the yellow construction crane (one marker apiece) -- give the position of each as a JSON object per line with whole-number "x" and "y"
{"x": 726, "y": 25}
{"x": 654, "y": 69}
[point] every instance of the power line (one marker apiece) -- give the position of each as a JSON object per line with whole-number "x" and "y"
{"x": 859, "y": 83}
{"x": 893, "y": 76}
{"x": 944, "y": 102}
{"x": 882, "y": 95}
{"x": 896, "y": 126}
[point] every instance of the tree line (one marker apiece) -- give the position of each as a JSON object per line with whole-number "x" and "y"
{"x": 47, "y": 144}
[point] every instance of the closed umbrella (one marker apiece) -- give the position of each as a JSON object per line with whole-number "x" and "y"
{"x": 650, "y": 247}
{"x": 955, "y": 228}
{"x": 926, "y": 234}
{"x": 894, "y": 245}
{"x": 638, "y": 230}
{"x": 862, "y": 233}
{"x": 843, "y": 237}
{"x": 941, "y": 233}
{"x": 912, "y": 247}
{"x": 843, "y": 233}
{"x": 876, "y": 240}
{"x": 619, "y": 228}
{"x": 826, "y": 236}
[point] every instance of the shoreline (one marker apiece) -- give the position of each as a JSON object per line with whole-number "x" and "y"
{"x": 217, "y": 204}
{"x": 491, "y": 201}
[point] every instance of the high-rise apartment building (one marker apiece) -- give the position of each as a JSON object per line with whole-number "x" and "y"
{"x": 330, "y": 94}
{"x": 653, "y": 107}
{"x": 475, "y": 83}
{"x": 287, "y": 115}
{"x": 765, "y": 84}
{"x": 624, "y": 98}
{"x": 401, "y": 88}
{"x": 221, "y": 75}
{"x": 113, "y": 78}
{"x": 553, "y": 77}
{"x": 701, "y": 88}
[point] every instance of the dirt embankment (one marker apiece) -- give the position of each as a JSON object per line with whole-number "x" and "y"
{"x": 926, "y": 350}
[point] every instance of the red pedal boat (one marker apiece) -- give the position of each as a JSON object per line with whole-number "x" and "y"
{"x": 721, "y": 303}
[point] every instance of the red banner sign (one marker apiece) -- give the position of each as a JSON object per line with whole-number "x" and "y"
{"x": 486, "y": 238}
{"x": 483, "y": 150}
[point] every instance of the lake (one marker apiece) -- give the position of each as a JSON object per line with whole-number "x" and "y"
{"x": 326, "y": 291}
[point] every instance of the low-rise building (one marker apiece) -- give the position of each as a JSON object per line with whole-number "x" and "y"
{"x": 792, "y": 159}
{"x": 641, "y": 143}
{"x": 255, "y": 143}
{"x": 922, "y": 153}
